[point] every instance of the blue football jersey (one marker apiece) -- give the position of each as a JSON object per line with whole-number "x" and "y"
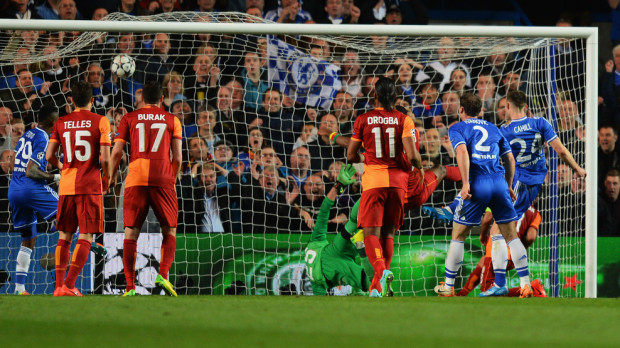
{"x": 526, "y": 137}
{"x": 32, "y": 146}
{"x": 485, "y": 145}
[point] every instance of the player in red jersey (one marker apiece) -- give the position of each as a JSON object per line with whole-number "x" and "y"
{"x": 85, "y": 140}
{"x": 152, "y": 133}
{"x": 387, "y": 136}
{"x": 483, "y": 274}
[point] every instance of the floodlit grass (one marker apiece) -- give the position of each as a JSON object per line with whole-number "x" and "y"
{"x": 207, "y": 321}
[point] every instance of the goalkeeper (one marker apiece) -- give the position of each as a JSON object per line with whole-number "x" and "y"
{"x": 332, "y": 264}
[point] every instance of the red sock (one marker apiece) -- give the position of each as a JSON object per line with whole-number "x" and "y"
{"x": 61, "y": 260}
{"x": 387, "y": 244}
{"x": 452, "y": 173}
{"x": 129, "y": 262}
{"x": 375, "y": 257}
{"x": 514, "y": 292}
{"x": 79, "y": 258}
{"x": 168, "y": 247}
{"x": 472, "y": 281}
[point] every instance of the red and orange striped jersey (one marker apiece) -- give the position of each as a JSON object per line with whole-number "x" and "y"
{"x": 150, "y": 131}
{"x": 81, "y": 134}
{"x": 381, "y": 133}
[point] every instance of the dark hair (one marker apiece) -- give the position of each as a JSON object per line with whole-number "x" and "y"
{"x": 385, "y": 89}
{"x": 517, "y": 98}
{"x": 151, "y": 92}
{"x": 613, "y": 172}
{"x": 47, "y": 115}
{"x": 472, "y": 104}
{"x": 20, "y": 71}
{"x": 613, "y": 129}
{"x": 81, "y": 93}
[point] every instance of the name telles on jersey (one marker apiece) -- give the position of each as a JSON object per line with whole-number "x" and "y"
{"x": 151, "y": 117}
{"x": 77, "y": 124}
{"x": 382, "y": 120}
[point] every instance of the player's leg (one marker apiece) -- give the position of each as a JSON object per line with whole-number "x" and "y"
{"x": 78, "y": 260}
{"x": 499, "y": 258}
{"x": 23, "y": 258}
{"x": 370, "y": 218}
{"x": 473, "y": 280}
{"x": 66, "y": 224}
{"x": 454, "y": 259}
{"x": 519, "y": 256}
{"x": 164, "y": 204}
{"x": 135, "y": 209}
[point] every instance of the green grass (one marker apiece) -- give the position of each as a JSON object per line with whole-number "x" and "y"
{"x": 203, "y": 321}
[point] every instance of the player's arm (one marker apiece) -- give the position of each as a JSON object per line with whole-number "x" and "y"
{"x": 462, "y": 160}
{"x": 117, "y": 155}
{"x": 353, "y": 155}
{"x": 413, "y": 155}
{"x": 50, "y": 154}
{"x": 106, "y": 166}
{"x": 567, "y": 157}
{"x": 34, "y": 172}
{"x": 176, "y": 155}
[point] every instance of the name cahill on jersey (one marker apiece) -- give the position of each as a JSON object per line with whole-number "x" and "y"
{"x": 522, "y": 128}
{"x": 151, "y": 117}
{"x": 382, "y": 120}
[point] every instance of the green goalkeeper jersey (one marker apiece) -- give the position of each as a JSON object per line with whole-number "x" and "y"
{"x": 315, "y": 248}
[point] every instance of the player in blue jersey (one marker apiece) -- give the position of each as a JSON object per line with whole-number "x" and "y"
{"x": 526, "y": 136}
{"x": 479, "y": 145}
{"x": 29, "y": 192}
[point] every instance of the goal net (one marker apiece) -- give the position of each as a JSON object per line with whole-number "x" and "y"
{"x": 257, "y": 111}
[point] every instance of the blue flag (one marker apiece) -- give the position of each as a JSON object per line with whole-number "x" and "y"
{"x": 302, "y": 77}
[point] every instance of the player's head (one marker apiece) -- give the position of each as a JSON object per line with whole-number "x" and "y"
{"x": 81, "y": 94}
{"x": 151, "y": 92}
{"x": 386, "y": 92}
{"x": 516, "y": 101}
{"x": 471, "y": 105}
{"x": 48, "y": 116}
{"x": 612, "y": 184}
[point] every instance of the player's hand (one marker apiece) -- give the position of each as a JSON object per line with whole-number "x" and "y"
{"x": 346, "y": 174}
{"x": 465, "y": 192}
{"x": 421, "y": 179}
{"x": 307, "y": 219}
{"x": 581, "y": 173}
{"x": 513, "y": 196}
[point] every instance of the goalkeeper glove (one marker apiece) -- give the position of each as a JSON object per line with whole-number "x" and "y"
{"x": 345, "y": 177}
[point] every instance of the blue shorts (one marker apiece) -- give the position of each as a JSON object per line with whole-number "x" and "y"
{"x": 486, "y": 191}
{"x": 25, "y": 204}
{"x": 526, "y": 194}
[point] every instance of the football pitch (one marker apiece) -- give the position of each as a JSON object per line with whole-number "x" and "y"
{"x": 267, "y": 321}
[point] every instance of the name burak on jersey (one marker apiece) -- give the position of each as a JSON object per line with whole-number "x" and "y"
{"x": 382, "y": 120}
{"x": 151, "y": 117}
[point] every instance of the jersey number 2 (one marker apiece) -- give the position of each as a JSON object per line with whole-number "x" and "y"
{"x": 391, "y": 132}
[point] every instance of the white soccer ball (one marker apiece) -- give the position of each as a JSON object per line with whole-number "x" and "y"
{"x": 123, "y": 66}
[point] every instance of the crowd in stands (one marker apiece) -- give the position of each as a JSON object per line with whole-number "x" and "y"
{"x": 255, "y": 160}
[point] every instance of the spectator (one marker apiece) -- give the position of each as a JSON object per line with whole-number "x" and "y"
{"x": 206, "y": 6}
{"x": 67, "y": 10}
{"x": 51, "y": 71}
{"x": 367, "y": 101}
{"x": 299, "y": 166}
{"x": 342, "y": 108}
{"x": 48, "y": 9}
{"x": 434, "y": 149}
{"x": 450, "y": 104}
{"x": 282, "y": 125}
{"x": 609, "y": 88}
{"x": 255, "y": 3}
{"x": 499, "y": 116}
{"x": 253, "y": 82}
{"x": 230, "y": 124}
{"x": 198, "y": 151}
{"x": 206, "y": 122}
{"x": 131, "y": 7}
{"x": 184, "y": 111}
{"x": 263, "y": 208}
{"x": 458, "y": 80}
{"x": 334, "y": 13}
{"x": 6, "y": 161}
{"x": 24, "y": 99}
{"x": 256, "y": 141}
{"x": 266, "y": 156}
{"x": 17, "y": 130}
{"x": 103, "y": 97}
{"x": 440, "y": 71}
{"x": 9, "y": 78}
{"x": 323, "y": 152}
{"x": 350, "y": 73}
{"x": 571, "y": 130}
{"x": 20, "y": 9}
{"x": 162, "y": 6}
{"x": 6, "y": 116}
{"x": 99, "y": 13}
{"x": 309, "y": 203}
{"x": 308, "y": 135}
{"x": 404, "y": 78}
{"x": 223, "y": 154}
{"x": 486, "y": 90}
{"x": 609, "y": 206}
{"x": 428, "y": 104}
{"x": 160, "y": 62}
{"x": 511, "y": 81}
{"x": 126, "y": 43}
{"x": 172, "y": 85}
{"x": 608, "y": 155}
{"x": 289, "y": 11}
{"x": 210, "y": 204}
{"x": 237, "y": 92}
{"x": 393, "y": 15}
{"x": 202, "y": 85}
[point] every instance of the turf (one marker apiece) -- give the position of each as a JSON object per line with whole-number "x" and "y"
{"x": 255, "y": 321}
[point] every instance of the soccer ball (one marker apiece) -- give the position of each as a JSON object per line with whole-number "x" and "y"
{"x": 123, "y": 66}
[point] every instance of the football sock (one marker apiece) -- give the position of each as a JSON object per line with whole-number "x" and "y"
{"x": 454, "y": 259}
{"x": 519, "y": 258}
{"x": 387, "y": 244}
{"x": 61, "y": 260}
{"x": 453, "y": 173}
{"x": 168, "y": 247}
{"x": 499, "y": 255}
{"x": 375, "y": 256}
{"x": 78, "y": 259}
{"x": 472, "y": 281}
{"x": 129, "y": 262}
{"x": 21, "y": 271}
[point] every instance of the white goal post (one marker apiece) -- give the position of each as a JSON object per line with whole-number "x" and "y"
{"x": 543, "y": 36}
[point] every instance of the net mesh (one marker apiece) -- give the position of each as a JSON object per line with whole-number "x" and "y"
{"x": 250, "y": 103}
